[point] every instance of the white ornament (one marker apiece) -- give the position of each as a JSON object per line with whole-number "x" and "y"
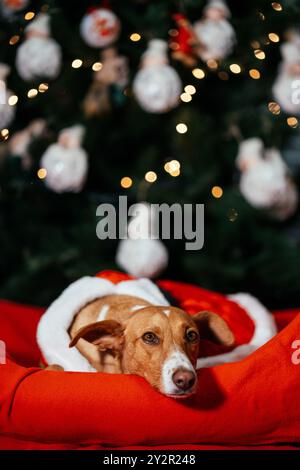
{"x": 65, "y": 162}
{"x": 39, "y": 56}
{"x": 157, "y": 85}
{"x": 140, "y": 255}
{"x": 265, "y": 182}
{"x": 286, "y": 88}
{"x": 214, "y": 32}
{"x": 7, "y": 112}
{"x": 100, "y": 28}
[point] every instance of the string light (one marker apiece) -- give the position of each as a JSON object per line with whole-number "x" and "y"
{"x": 4, "y": 134}
{"x": 223, "y": 75}
{"x": 212, "y": 64}
{"x": 259, "y": 54}
{"x": 12, "y": 100}
{"x": 43, "y": 87}
{"x": 14, "y": 39}
{"x": 151, "y": 176}
{"x": 32, "y": 93}
{"x": 77, "y": 63}
{"x": 42, "y": 173}
{"x": 198, "y": 73}
{"x": 190, "y": 89}
{"x": 29, "y": 15}
{"x": 171, "y": 166}
{"x": 261, "y": 16}
{"x": 255, "y": 44}
{"x": 185, "y": 97}
{"x": 181, "y": 128}
{"x": 277, "y": 6}
{"x": 135, "y": 37}
{"x": 97, "y": 66}
{"x": 292, "y": 122}
{"x": 126, "y": 182}
{"x": 274, "y": 107}
{"x": 254, "y": 73}
{"x": 273, "y": 37}
{"x": 232, "y": 215}
{"x": 235, "y": 68}
{"x": 217, "y": 192}
{"x": 173, "y": 32}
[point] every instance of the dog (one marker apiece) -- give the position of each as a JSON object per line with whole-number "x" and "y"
{"x": 123, "y": 334}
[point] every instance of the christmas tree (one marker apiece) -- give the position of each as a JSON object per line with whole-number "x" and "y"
{"x": 84, "y": 79}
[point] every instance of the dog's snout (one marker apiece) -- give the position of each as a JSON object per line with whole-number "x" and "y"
{"x": 184, "y": 379}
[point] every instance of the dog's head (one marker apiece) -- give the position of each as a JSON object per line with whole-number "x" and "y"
{"x": 160, "y": 344}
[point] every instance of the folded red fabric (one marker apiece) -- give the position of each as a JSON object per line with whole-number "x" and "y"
{"x": 252, "y": 402}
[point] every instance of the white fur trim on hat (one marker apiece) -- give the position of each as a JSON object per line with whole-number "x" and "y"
{"x": 265, "y": 329}
{"x": 52, "y": 333}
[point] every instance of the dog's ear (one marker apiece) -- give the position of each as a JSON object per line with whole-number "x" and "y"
{"x": 106, "y": 334}
{"x": 213, "y": 328}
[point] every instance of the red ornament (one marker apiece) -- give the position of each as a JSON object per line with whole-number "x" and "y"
{"x": 183, "y": 41}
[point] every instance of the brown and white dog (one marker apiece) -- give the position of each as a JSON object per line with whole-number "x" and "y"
{"x": 130, "y": 328}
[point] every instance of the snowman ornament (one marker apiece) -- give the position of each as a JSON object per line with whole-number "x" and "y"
{"x": 66, "y": 162}
{"x": 7, "y": 111}
{"x": 100, "y": 27}
{"x": 139, "y": 254}
{"x": 265, "y": 182}
{"x": 286, "y": 88}
{"x": 214, "y": 32}
{"x": 157, "y": 85}
{"x": 39, "y": 55}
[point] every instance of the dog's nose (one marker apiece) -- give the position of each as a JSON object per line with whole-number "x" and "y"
{"x": 184, "y": 379}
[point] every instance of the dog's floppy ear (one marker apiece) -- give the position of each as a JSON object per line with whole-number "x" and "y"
{"x": 212, "y": 327}
{"x": 106, "y": 334}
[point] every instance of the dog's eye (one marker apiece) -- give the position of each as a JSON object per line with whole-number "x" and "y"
{"x": 192, "y": 336}
{"x": 150, "y": 338}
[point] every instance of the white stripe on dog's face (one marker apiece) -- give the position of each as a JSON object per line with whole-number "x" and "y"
{"x": 177, "y": 360}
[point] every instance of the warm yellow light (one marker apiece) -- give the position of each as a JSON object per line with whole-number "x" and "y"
{"x": 181, "y": 128}
{"x": 217, "y": 192}
{"x": 12, "y": 100}
{"x": 126, "y": 182}
{"x": 190, "y": 89}
{"x": 97, "y": 66}
{"x": 223, "y": 75}
{"x": 14, "y": 39}
{"x": 135, "y": 37}
{"x": 173, "y": 166}
{"x": 292, "y": 122}
{"x": 198, "y": 73}
{"x": 255, "y": 44}
{"x": 32, "y": 93}
{"x": 254, "y": 73}
{"x": 77, "y": 63}
{"x": 274, "y": 107}
{"x": 235, "y": 68}
{"x": 273, "y": 37}
{"x": 5, "y": 133}
{"x": 185, "y": 97}
{"x": 212, "y": 64}
{"x": 175, "y": 172}
{"x": 43, "y": 87}
{"x": 42, "y": 173}
{"x": 150, "y": 176}
{"x": 259, "y": 54}
{"x": 277, "y": 6}
{"x": 29, "y": 15}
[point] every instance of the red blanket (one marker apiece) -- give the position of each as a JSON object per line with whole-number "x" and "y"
{"x": 251, "y": 403}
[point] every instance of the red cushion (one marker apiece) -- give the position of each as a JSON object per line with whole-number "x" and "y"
{"x": 255, "y": 401}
